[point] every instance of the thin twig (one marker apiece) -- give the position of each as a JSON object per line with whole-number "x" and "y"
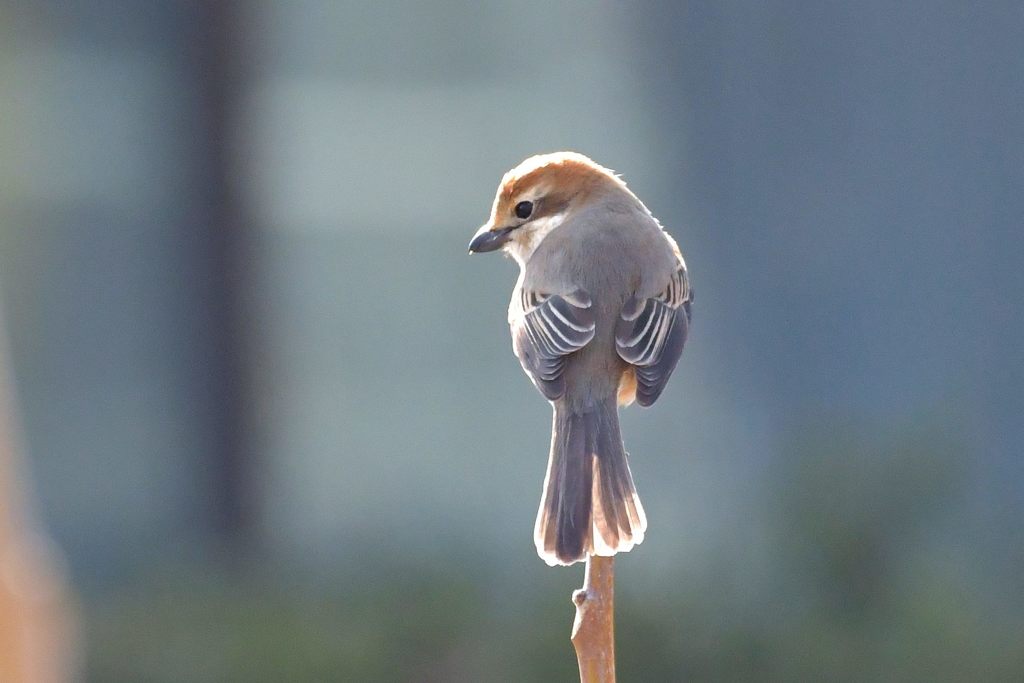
{"x": 593, "y": 631}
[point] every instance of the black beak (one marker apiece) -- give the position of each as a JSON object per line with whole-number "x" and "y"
{"x": 489, "y": 240}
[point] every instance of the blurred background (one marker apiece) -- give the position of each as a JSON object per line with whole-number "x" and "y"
{"x": 266, "y": 406}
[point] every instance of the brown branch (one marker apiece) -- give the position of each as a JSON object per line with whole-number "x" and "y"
{"x": 593, "y": 632}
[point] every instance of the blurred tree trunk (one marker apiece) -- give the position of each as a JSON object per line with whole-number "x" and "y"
{"x": 37, "y": 621}
{"x": 220, "y": 234}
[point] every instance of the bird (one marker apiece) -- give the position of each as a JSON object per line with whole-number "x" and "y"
{"x": 599, "y": 316}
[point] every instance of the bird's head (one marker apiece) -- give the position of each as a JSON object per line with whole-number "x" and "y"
{"x": 537, "y": 196}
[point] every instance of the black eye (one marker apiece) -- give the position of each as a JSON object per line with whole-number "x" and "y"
{"x": 524, "y": 209}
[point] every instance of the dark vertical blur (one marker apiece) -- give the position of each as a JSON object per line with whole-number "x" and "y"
{"x": 122, "y": 258}
{"x": 219, "y": 238}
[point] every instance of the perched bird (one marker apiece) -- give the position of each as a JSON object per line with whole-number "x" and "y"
{"x": 599, "y": 317}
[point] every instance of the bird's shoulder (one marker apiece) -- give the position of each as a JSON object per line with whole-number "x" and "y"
{"x": 606, "y": 250}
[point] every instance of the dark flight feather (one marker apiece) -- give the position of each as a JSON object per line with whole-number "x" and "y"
{"x": 651, "y": 333}
{"x": 548, "y": 329}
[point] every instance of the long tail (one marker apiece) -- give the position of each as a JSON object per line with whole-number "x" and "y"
{"x": 590, "y": 505}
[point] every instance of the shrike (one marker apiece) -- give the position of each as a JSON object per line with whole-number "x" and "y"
{"x": 599, "y": 317}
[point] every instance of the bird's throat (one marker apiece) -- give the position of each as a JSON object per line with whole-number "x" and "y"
{"x": 526, "y": 240}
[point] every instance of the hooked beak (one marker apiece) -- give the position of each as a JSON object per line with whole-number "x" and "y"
{"x": 489, "y": 239}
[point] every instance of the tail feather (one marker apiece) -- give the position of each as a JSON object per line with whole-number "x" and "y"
{"x": 590, "y": 505}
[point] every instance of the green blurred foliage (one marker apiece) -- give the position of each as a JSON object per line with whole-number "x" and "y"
{"x": 853, "y": 589}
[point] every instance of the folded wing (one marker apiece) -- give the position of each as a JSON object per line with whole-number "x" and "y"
{"x": 651, "y": 333}
{"x": 545, "y": 330}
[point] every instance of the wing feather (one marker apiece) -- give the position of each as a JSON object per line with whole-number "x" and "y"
{"x": 651, "y": 333}
{"x": 546, "y": 329}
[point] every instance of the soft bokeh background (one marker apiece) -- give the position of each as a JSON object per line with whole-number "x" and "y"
{"x": 269, "y": 404}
